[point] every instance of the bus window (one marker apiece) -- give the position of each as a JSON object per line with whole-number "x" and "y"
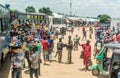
{"x": 0, "y": 24}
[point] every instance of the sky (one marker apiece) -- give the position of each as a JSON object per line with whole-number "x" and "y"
{"x": 86, "y": 8}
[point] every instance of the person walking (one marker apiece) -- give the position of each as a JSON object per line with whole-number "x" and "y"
{"x": 62, "y": 32}
{"x": 76, "y": 42}
{"x": 83, "y": 32}
{"x": 45, "y": 45}
{"x": 72, "y": 31}
{"x": 50, "y": 48}
{"x": 39, "y": 50}
{"x": 60, "y": 46}
{"x": 69, "y": 48}
{"x": 34, "y": 59}
{"x": 90, "y": 32}
{"x": 87, "y": 54}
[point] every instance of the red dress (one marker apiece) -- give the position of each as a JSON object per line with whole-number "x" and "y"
{"x": 87, "y": 53}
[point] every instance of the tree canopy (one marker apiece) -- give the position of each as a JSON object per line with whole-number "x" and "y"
{"x": 30, "y": 9}
{"x": 104, "y": 18}
{"x": 47, "y": 10}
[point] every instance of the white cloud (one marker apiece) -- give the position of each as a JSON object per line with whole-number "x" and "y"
{"x": 80, "y": 7}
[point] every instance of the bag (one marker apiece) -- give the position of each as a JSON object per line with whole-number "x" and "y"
{"x": 99, "y": 45}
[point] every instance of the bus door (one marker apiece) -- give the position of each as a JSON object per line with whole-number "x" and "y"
{"x": 0, "y": 23}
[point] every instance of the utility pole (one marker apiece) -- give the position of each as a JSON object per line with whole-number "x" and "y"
{"x": 70, "y": 7}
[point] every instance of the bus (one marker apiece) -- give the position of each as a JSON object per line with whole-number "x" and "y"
{"x": 4, "y": 18}
{"x": 4, "y": 27}
{"x": 36, "y": 18}
{"x": 57, "y": 23}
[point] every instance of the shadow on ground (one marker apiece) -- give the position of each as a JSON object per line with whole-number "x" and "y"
{"x": 102, "y": 76}
{"x": 5, "y": 69}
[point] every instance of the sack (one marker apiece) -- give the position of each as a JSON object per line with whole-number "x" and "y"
{"x": 99, "y": 45}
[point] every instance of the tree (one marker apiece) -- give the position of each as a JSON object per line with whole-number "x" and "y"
{"x": 104, "y": 18}
{"x": 45, "y": 10}
{"x": 30, "y": 9}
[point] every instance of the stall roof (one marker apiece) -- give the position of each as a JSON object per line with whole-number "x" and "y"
{"x": 34, "y": 13}
{"x": 74, "y": 18}
{"x": 3, "y": 7}
{"x": 57, "y": 15}
{"x": 90, "y": 19}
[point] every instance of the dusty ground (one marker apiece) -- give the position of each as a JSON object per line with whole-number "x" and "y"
{"x": 56, "y": 70}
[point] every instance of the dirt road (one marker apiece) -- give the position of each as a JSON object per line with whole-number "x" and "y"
{"x": 56, "y": 70}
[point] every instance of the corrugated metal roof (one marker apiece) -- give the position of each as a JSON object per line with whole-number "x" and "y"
{"x": 33, "y": 13}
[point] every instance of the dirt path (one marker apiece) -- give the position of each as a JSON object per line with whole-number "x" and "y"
{"x": 56, "y": 70}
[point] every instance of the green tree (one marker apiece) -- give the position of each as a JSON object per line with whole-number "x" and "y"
{"x": 47, "y": 10}
{"x": 30, "y": 9}
{"x": 104, "y": 18}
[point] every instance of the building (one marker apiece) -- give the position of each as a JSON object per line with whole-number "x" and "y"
{"x": 36, "y": 18}
{"x": 4, "y": 18}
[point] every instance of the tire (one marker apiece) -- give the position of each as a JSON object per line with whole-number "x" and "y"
{"x": 95, "y": 72}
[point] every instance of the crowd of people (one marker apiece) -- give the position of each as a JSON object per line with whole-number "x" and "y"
{"x": 29, "y": 42}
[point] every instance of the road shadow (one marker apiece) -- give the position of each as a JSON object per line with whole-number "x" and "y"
{"x": 5, "y": 69}
{"x": 46, "y": 64}
{"x": 54, "y": 61}
{"x": 102, "y": 76}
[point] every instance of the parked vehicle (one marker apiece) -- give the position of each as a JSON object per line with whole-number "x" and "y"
{"x": 114, "y": 64}
{"x": 103, "y": 62}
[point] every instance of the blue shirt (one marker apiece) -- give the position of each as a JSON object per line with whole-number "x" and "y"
{"x": 50, "y": 42}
